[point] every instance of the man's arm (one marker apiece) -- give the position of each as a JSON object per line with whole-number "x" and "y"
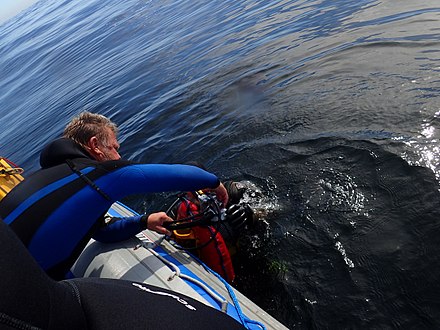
{"x": 120, "y": 229}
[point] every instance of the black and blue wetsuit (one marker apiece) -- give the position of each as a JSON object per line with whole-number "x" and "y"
{"x": 56, "y": 210}
{"x": 31, "y": 300}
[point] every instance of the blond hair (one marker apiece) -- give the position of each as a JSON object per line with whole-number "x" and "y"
{"x": 87, "y": 125}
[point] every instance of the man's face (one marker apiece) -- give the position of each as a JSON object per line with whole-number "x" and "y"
{"x": 109, "y": 150}
{"x": 104, "y": 150}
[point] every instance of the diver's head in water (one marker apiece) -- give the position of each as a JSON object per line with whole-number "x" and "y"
{"x": 235, "y": 191}
{"x": 238, "y": 214}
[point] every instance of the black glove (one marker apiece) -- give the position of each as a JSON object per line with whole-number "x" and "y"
{"x": 238, "y": 216}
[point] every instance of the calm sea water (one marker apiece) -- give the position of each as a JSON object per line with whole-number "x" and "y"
{"x": 330, "y": 109}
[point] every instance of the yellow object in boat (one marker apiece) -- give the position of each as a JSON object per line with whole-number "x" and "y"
{"x": 10, "y": 176}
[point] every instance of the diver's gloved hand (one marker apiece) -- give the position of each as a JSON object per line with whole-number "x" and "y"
{"x": 238, "y": 216}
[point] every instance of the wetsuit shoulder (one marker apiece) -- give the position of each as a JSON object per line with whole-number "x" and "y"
{"x": 57, "y": 151}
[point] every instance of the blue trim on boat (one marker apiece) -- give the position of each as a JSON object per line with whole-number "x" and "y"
{"x": 232, "y": 310}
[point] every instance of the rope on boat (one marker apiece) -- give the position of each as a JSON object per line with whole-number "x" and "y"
{"x": 11, "y": 171}
{"x": 176, "y": 272}
{"x": 243, "y": 318}
{"x": 13, "y": 168}
{"x": 247, "y": 322}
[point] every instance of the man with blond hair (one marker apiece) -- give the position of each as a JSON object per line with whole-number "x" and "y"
{"x": 95, "y": 133}
{"x": 59, "y": 208}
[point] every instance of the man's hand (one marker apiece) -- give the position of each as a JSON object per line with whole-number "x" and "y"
{"x": 155, "y": 222}
{"x": 222, "y": 194}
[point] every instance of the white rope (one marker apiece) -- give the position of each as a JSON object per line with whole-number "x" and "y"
{"x": 176, "y": 272}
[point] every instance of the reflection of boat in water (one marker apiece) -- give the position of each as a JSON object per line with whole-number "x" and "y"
{"x": 150, "y": 259}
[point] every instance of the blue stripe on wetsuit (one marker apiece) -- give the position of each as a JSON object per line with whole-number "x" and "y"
{"x": 62, "y": 231}
{"x": 41, "y": 194}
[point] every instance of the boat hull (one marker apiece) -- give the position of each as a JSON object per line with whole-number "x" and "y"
{"x": 149, "y": 259}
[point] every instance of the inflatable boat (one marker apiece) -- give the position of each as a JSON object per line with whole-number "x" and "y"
{"x": 151, "y": 259}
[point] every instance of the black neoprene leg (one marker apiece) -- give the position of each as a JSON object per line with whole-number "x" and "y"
{"x": 29, "y": 299}
{"x": 117, "y": 304}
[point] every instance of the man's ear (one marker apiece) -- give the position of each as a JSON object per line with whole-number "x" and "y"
{"x": 93, "y": 148}
{"x": 93, "y": 143}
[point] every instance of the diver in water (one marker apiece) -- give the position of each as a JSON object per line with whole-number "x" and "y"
{"x": 212, "y": 233}
{"x": 239, "y": 214}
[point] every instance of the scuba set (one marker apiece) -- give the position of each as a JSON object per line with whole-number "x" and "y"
{"x": 204, "y": 209}
{"x": 205, "y": 228}
{"x": 210, "y": 211}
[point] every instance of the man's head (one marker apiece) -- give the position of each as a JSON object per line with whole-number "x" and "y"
{"x": 95, "y": 133}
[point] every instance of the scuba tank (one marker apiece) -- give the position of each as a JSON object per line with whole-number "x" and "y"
{"x": 208, "y": 243}
{"x": 202, "y": 226}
